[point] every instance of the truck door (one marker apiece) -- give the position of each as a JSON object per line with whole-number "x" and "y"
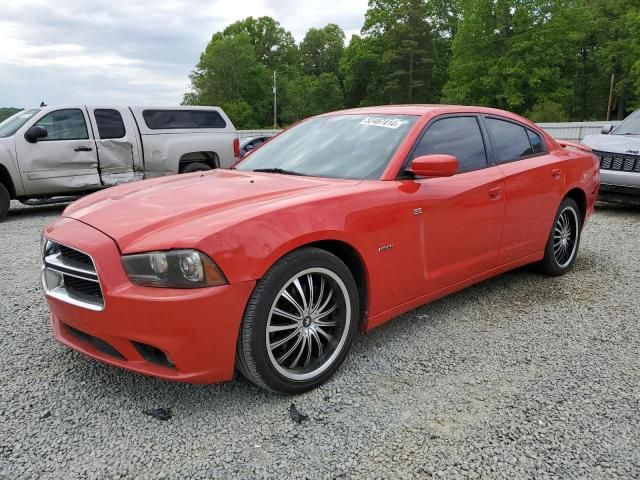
{"x": 118, "y": 145}
{"x": 63, "y": 162}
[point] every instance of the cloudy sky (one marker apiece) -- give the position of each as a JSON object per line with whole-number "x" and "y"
{"x": 130, "y": 52}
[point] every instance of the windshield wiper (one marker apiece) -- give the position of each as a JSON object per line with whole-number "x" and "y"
{"x": 277, "y": 170}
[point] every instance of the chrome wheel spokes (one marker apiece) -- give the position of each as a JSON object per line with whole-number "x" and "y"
{"x": 565, "y": 236}
{"x": 308, "y": 323}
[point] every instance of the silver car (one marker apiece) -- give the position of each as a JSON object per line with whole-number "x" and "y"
{"x": 619, "y": 152}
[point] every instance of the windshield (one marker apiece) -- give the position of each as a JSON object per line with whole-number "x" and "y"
{"x": 631, "y": 126}
{"x": 335, "y": 146}
{"x": 13, "y": 123}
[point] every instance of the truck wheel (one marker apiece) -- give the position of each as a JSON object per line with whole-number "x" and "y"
{"x": 194, "y": 167}
{"x": 5, "y": 201}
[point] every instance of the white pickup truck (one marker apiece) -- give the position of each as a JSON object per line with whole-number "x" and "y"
{"x": 50, "y": 154}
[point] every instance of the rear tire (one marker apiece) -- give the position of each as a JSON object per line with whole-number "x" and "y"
{"x": 194, "y": 167}
{"x": 5, "y": 201}
{"x": 564, "y": 240}
{"x": 299, "y": 323}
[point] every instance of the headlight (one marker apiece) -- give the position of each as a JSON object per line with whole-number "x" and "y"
{"x": 173, "y": 269}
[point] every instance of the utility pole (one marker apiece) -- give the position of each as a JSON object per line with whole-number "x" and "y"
{"x": 613, "y": 79}
{"x": 275, "y": 102}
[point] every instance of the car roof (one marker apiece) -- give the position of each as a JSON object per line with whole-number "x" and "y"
{"x": 425, "y": 109}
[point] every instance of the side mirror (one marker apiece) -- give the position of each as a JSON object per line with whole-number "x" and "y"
{"x": 606, "y": 129}
{"x": 434, "y": 166}
{"x": 35, "y": 133}
{"x": 249, "y": 147}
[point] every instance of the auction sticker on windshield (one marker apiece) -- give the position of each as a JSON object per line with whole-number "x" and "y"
{"x": 383, "y": 122}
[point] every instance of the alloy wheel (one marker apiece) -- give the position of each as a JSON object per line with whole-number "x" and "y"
{"x": 308, "y": 324}
{"x": 565, "y": 236}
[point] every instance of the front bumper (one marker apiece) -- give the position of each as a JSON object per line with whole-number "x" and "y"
{"x": 186, "y": 335}
{"x": 629, "y": 181}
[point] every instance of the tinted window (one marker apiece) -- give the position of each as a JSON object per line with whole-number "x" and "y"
{"x": 510, "y": 140}
{"x": 457, "y": 136}
{"x": 161, "y": 119}
{"x": 109, "y": 122}
{"x": 64, "y": 125}
{"x": 338, "y": 146}
{"x": 536, "y": 142}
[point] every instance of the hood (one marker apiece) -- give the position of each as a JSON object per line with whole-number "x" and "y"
{"x": 614, "y": 143}
{"x": 195, "y": 204}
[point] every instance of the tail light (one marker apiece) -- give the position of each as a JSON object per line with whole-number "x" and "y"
{"x": 236, "y": 147}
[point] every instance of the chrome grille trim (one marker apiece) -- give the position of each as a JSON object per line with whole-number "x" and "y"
{"x": 619, "y": 162}
{"x": 55, "y": 264}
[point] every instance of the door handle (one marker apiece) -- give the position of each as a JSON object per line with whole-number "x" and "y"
{"x": 82, "y": 149}
{"x": 495, "y": 193}
{"x": 556, "y": 172}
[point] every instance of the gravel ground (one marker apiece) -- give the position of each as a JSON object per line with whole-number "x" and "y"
{"x": 522, "y": 376}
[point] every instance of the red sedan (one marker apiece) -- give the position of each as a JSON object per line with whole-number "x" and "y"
{"x": 344, "y": 221}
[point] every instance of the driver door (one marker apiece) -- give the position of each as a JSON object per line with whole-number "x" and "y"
{"x": 65, "y": 160}
{"x": 461, "y": 217}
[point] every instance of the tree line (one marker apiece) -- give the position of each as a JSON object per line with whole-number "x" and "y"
{"x": 552, "y": 60}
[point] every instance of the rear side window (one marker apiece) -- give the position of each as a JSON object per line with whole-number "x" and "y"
{"x": 510, "y": 140}
{"x": 167, "y": 119}
{"x": 67, "y": 124}
{"x": 109, "y": 122}
{"x": 537, "y": 145}
{"x": 457, "y": 136}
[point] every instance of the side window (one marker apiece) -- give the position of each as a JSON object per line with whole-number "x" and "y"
{"x": 537, "y": 144}
{"x": 458, "y": 136}
{"x": 510, "y": 140}
{"x": 109, "y": 123}
{"x": 166, "y": 119}
{"x": 66, "y": 124}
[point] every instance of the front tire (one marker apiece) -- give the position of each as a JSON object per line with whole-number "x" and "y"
{"x": 5, "y": 201}
{"x": 299, "y": 323}
{"x": 564, "y": 240}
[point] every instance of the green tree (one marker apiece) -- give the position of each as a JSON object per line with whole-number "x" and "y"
{"x": 413, "y": 40}
{"x": 274, "y": 46}
{"x": 522, "y": 55}
{"x": 361, "y": 68}
{"x": 229, "y": 75}
{"x": 321, "y": 50}
{"x": 307, "y": 95}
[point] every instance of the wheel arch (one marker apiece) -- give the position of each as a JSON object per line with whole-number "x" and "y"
{"x": 206, "y": 156}
{"x": 356, "y": 265}
{"x": 342, "y": 249}
{"x": 580, "y": 197}
{"x": 5, "y": 179}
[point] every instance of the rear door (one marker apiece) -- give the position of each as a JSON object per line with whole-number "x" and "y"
{"x": 534, "y": 185}
{"x": 461, "y": 216}
{"x": 118, "y": 145}
{"x": 63, "y": 162}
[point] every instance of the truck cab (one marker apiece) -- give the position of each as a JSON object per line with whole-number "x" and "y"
{"x": 53, "y": 153}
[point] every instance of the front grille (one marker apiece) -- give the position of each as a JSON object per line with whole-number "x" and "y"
{"x": 75, "y": 258}
{"x": 96, "y": 342}
{"x": 619, "y": 162}
{"x": 70, "y": 275}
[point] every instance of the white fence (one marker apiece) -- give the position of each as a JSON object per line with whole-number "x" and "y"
{"x": 572, "y": 131}
{"x": 257, "y": 133}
